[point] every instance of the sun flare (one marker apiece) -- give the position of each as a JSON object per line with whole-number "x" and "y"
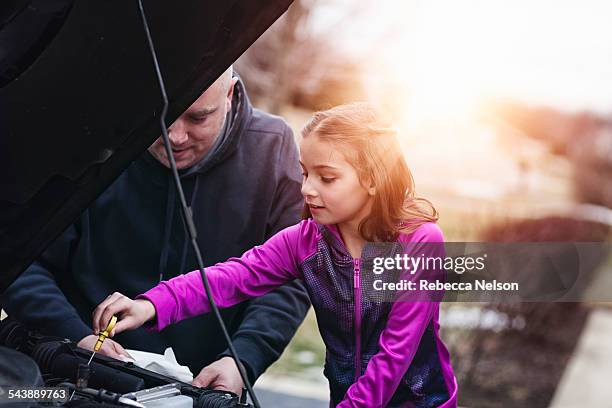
{"x": 447, "y": 59}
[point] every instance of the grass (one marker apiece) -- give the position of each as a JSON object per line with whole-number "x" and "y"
{"x": 305, "y": 355}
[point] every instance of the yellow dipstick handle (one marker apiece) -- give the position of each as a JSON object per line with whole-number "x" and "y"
{"x": 105, "y": 333}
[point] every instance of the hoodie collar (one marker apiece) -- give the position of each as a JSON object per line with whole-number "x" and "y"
{"x": 236, "y": 121}
{"x": 228, "y": 139}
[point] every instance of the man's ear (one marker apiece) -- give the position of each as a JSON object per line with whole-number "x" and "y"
{"x": 230, "y": 92}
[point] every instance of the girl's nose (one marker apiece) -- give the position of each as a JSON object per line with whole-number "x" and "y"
{"x": 307, "y": 190}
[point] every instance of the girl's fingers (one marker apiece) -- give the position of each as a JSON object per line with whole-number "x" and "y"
{"x": 124, "y": 324}
{"x": 98, "y": 325}
{"x": 118, "y": 307}
{"x": 130, "y": 316}
{"x": 114, "y": 305}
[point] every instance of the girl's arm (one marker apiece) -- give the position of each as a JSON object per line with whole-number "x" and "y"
{"x": 257, "y": 272}
{"x": 398, "y": 342}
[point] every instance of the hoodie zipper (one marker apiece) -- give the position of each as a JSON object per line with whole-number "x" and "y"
{"x": 357, "y": 301}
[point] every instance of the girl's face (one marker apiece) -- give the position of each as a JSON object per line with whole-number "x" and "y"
{"x": 331, "y": 186}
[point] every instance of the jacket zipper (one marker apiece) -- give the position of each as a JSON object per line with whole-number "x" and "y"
{"x": 357, "y": 301}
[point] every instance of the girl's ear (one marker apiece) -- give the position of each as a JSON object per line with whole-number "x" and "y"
{"x": 372, "y": 188}
{"x": 367, "y": 182}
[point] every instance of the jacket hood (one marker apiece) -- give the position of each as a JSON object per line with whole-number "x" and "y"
{"x": 227, "y": 141}
{"x": 236, "y": 121}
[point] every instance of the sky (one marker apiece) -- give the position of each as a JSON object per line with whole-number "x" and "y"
{"x": 444, "y": 59}
{"x": 450, "y": 54}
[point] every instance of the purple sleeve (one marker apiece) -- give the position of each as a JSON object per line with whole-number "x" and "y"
{"x": 257, "y": 272}
{"x": 398, "y": 342}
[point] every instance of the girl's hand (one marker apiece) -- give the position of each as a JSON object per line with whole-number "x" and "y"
{"x": 131, "y": 314}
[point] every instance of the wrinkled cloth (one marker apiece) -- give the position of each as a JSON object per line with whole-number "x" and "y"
{"x": 165, "y": 364}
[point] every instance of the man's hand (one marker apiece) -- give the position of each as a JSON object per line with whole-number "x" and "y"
{"x": 109, "y": 348}
{"x": 223, "y": 374}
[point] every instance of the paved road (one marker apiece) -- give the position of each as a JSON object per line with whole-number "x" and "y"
{"x": 270, "y": 399}
{"x": 586, "y": 380}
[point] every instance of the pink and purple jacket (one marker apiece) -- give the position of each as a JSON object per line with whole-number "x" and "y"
{"x": 378, "y": 353}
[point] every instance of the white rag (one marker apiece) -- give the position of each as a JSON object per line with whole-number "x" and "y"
{"x": 165, "y": 364}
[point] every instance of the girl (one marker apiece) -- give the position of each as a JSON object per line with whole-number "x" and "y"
{"x": 357, "y": 189}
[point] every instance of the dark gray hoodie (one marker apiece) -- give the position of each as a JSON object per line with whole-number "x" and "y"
{"x": 241, "y": 193}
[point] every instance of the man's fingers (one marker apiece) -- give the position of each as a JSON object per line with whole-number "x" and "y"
{"x": 87, "y": 342}
{"x": 118, "y": 348}
{"x": 108, "y": 350}
{"x": 221, "y": 375}
{"x": 205, "y": 377}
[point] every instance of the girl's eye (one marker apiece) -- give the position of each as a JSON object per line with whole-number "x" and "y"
{"x": 198, "y": 119}
{"x": 327, "y": 179}
{"x": 304, "y": 174}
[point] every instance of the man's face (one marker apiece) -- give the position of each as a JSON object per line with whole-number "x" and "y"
{"x": 195, "y": 131}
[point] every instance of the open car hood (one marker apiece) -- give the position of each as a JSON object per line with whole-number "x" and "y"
{"x": 79, "y": 99}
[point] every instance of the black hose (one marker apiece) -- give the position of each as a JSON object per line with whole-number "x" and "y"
{"x": 187, "y": 215}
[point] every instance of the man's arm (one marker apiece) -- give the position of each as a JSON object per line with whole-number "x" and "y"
{"x": 36, "y": 300}
{"x": 270, "y": 321}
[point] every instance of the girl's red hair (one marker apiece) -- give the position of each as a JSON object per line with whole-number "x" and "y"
{"x": 371, "y": 147}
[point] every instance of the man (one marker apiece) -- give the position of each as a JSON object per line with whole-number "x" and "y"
{"x": 240, "y": 171}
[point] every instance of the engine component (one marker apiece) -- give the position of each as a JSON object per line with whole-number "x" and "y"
{"x": 61, "y": 361}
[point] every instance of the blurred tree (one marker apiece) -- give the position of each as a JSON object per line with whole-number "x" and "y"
{"x": 585, "y": 138}
{"x": 521, "y": 366}
{"x": 591, "y": 154}
{"x": 294, "y": 64}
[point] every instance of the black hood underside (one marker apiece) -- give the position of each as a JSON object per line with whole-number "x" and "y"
{"x": 79, "y": 99}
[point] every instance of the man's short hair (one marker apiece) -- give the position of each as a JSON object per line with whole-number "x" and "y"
{"x": 227, "y": 77}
